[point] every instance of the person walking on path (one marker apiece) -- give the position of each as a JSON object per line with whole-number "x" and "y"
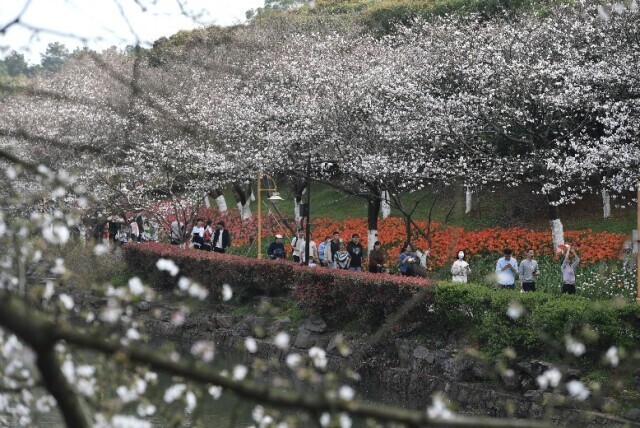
{"x": 296, "y": 246}
{"x": 460, "y": 269}
{"x": 569, "y": 271}
{"x": 376, "y": 258}
{"x": 331, "y": 249}
{"x": 528, "y": 272}
{"x": 321, "y": 250}
{"x": 276, "y": 250}
{"x": 221, "y": 238}
{"x": 407, "y": 261}
{"x": 208, "y": 236}
{"x": 342, "y": 258}
{"x": 356, "y": 252}
{"x": 506, "y": 269}
{"x": 313, "y": 250}
{"x": 197, "y": 235}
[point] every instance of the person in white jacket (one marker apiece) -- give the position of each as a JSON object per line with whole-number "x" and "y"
{"x": 460, "y": 269}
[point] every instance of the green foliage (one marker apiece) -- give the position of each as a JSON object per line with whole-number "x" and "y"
{"x": 293, "y": 311}
{"x": 544, "y": 324}
{"x": 601, "y": 280}
{"x": 54, "y": 58}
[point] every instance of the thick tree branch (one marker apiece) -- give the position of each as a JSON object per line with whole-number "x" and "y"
{"x": 33, "y": 328}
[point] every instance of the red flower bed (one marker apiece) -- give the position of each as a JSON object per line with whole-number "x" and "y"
{"x": 338, "y": 296}
{"x": 446, "y": 241}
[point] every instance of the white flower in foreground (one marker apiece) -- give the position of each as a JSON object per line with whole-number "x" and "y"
{"x": 293, "y": 360}
{"x": 59, "y": 268}
{"x": 140, "y": 385}
{"x": 515, "y": 311}
{"x": 577, "y": 390}
{"x": 191, "y": 402}
{"x": 85, "y": 370}
{"x": 215, "y": 391}
{"x": 251, "y": 345}
{"x": 612, "y": 356}
{"x": 438, "y": 409}
{"x": 240, "y": 372}
{"x": 319, "y": 357}
{"x": 325, "y": 418}
{"x": 346, "y": 393}
{"x": 56, "y": 234}
{"x": 133, "y": 334}
{"x": 550, "y": 378}
{"x": 145, "y": 410}
{"x": 174, "y": 392}
{"x": 126, "y": 394}
{"x": 68, "y": 370}
{"x": 204, "y": 350}
{"x": 227, "y": 292}
{"x": 167, "y": 265}
{"x": 100, "y": 250}
{"x": 281, "y": 340}
{"x": 345, "y": 420}
{"x": 178, "y": 317}
{"x": 90, "y": 317}
{"x": 135, "y": 286}
{"x": 112, "y": 312}
{"x": 67, "y": 301}
{"x": 258, "y": 413}
{"x": 45, "y": 404}
{"x": 151, "y": 377}
{"x": 198, "y": 291}
{"x": 124, "y": 421}
{"x": 184, "y": 283}
{"x": 575, "y": 347}
{"x": 48, "y": 290}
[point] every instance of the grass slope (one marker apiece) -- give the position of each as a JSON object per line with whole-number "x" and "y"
{"x": 516, "y": 207}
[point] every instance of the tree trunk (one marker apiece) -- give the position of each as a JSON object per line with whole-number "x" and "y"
{"x": 606, "y": 203}
{"x": 221, "y": 202}
{"x": 242, "y": 201}
{"x": 373, "y": 210}
{"x": 557, "y": 230}
{"x": 468, "y": 200}
{"x": 385, "y": 204}
{"x": 299, "y": 188}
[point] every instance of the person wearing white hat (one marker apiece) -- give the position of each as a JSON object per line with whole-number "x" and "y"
{"x": 460, "y": 269}
{"x": 276, "y": 249}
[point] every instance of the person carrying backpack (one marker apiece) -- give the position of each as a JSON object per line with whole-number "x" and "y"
{"x": 276, "y": 250}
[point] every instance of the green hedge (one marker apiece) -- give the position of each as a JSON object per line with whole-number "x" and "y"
{"x": 368, "y": 300}
{"x": 338, "y": 296}
{"x": 547, "y": 319}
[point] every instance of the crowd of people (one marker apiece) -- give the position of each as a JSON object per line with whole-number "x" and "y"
{"x": 120, "y": 229}
{"x": 507, "y": 268}
{"x": 203, "y": 235}
{"x": 334, "y": 253}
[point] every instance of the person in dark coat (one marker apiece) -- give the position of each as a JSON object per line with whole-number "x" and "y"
{"x": 221, "y": 238}
{"x": 276, "y": 250}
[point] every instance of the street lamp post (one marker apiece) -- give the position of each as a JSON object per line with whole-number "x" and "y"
{"x": 274, "y": 197}
{"x": 637, "y": 246}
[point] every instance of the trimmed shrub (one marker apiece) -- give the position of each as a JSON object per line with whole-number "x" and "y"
{"x": 248, "y": 277}
{"x": 340, "y": 297}
{"x": 368, "y": 300}
{"x": 544, "y": 324}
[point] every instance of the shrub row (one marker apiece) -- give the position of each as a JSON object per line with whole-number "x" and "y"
{"x": 545, "y": 323}
{"x": 338, "y": 296}
{"x": 341, "y": 298}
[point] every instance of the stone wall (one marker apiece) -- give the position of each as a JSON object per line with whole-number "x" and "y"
{"x": 408, "y": 372}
